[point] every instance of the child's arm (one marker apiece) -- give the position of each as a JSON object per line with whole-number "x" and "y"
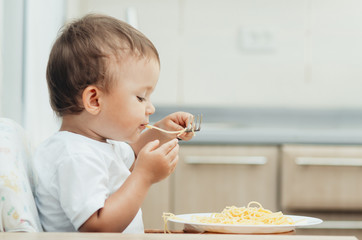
{"x": 153, "y": 164}
{"x": 173, "y": 122}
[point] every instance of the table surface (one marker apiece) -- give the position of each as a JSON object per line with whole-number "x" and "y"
{"x": 152, "y": 236}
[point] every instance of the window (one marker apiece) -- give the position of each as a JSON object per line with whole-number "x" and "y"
{"x": 28, "y": 31}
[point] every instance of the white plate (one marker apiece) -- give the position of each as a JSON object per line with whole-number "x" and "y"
{"x": 300, "y": 221}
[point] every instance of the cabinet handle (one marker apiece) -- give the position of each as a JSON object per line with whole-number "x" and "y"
{"x": 336, "y": 225}
{"x": 241, "y": 160}
{"x": 319, "y": 161}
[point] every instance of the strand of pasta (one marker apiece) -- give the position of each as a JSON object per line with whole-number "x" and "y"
{"x": 178, "y": 132}
{"x": 166, "y": 131}
{"x": 166, "y": 217}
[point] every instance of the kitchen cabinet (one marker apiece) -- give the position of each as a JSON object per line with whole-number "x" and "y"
{"x": 323, "y": 181}
{"x": 156, "y": 202}
{"x": 311, "y": 180}
{"x": 209, "y": 178}
{"x": 326, "y": 175}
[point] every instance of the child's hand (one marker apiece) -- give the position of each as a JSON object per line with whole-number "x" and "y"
{"x": 173, "y": 122}
{"x": 176, "y": 121}
{"x": 155, "y": 162}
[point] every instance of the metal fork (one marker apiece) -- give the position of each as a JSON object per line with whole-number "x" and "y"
{"x": 194, "y": 123}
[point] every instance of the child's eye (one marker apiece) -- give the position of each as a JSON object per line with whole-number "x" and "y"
{"x": 141, "y": 99}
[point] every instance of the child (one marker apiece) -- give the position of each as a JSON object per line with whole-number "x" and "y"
{"x": 101, "y": 73}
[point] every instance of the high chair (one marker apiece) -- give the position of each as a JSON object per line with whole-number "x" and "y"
{"x": 18, "y": 212}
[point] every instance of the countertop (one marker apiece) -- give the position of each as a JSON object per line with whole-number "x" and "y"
{"x": 273, "y": 126}
{"x": 118, "y": 236}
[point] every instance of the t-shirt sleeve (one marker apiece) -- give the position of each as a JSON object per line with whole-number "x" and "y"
{"x": 82, "y": 181}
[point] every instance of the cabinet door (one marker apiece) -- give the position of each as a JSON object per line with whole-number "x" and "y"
{"x": 209, "y": 178}
{"x": 321, "y": 177}
{"x": 156, "y": 203}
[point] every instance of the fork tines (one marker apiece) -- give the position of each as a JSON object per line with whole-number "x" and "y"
{"x": 194, "y": 124}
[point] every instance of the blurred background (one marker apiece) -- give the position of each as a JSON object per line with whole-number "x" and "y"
{"x": 295, "y": 54}
{"x": 278, "y": 81}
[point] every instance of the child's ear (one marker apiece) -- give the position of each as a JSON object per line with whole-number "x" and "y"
{"x": 90, "y": 98}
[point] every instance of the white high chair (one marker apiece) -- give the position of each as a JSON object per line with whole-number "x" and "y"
{"x": 18, "y": 211}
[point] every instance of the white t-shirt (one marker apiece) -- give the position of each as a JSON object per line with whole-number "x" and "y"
{"x": 76, "y": 175}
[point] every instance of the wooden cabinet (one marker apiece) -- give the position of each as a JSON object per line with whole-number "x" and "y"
{"x": 209, "y": 178}
{"x": 323, "y": 181}
{"x": 321, "y": 178}
{"x": 311, "y": 180}
{"x": 157, "y": 202}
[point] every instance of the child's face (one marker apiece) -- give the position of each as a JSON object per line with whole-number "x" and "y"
{"x": 126, "y": 108}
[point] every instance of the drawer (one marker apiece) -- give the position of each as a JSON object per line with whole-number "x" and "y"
{"x": 321, "y": 178}
{"x": 209, "y": 178}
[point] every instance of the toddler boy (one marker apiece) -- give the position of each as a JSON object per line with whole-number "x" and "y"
{"x": 94, "y": 174}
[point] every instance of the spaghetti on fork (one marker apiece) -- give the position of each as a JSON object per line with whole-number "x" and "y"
{"x": 193, "y": 125}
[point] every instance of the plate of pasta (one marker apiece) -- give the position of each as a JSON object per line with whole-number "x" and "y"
{"x": 245, "y": 220}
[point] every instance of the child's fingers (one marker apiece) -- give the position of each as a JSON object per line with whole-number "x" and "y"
{"x": 186, "y": 136}
{"x": 179, "y": 120}
{"x": 176, "y": 126}
{"x": 169, "y": 146}
{"x": 173, "y": 153}
{"x": 175, "y": 158}
{"x": 174, "y": 163}
{"x": 187, "y": 117}
{"x": 151, "y": 145}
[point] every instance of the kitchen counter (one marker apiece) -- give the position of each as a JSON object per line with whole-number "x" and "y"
{"x": 118, "y": 236}
{"x": 273, "y": 126}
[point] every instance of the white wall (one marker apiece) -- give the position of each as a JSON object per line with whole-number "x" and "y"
{"x": 43, "y": 21}
{"x": 1, "y": 51}
{"x": 28, "y": 29}
{"x": 250, "y": 53}
{"x": 159, "y": 20}
{"x": 11, "y": 100}
{"x": 247, "y": 53}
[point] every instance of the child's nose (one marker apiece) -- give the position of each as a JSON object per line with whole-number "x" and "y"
{"x": 150, "y": 109}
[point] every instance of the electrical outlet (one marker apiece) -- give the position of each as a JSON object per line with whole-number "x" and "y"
{"x": 256, "y": 40}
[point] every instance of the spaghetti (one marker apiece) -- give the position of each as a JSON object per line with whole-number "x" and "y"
{"x": 250, "y": 215}
{"x": 178, "y": 132}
